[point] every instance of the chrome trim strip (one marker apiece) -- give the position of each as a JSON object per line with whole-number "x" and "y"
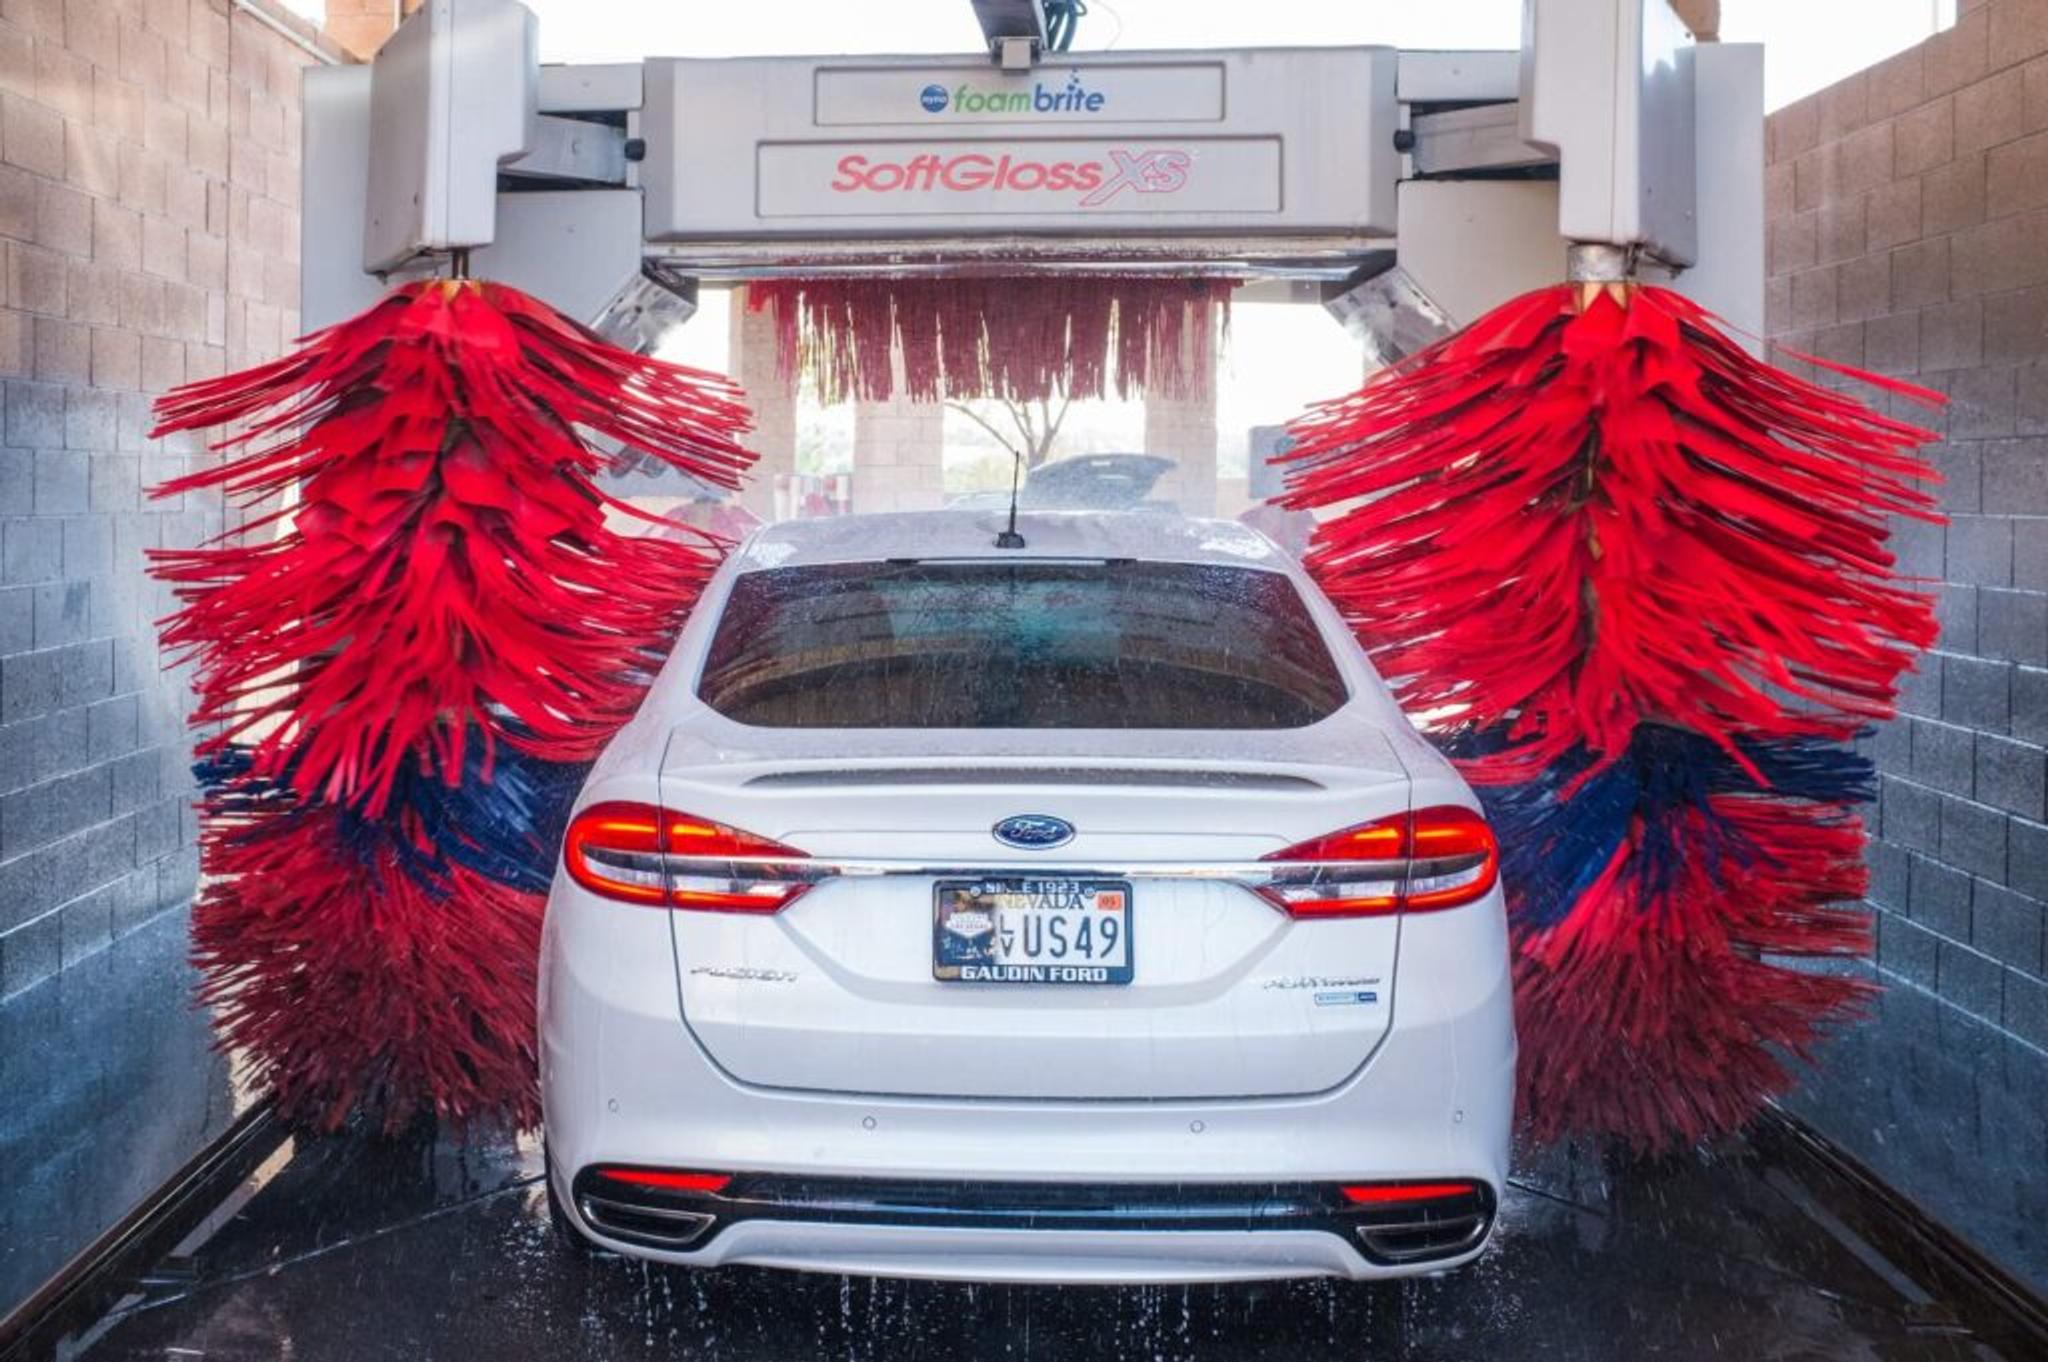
{"x": 1135, "y": 776}
{"x": 1260, "y": 871}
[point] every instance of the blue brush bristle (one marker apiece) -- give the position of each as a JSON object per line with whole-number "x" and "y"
{"x": 508, "y": 827}
{"x": 1554, "y": 848}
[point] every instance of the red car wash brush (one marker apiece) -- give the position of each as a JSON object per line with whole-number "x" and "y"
{"x": 400, "y": 672}
{"x": 1640, "y": 579}
{"x": 1021, "y": 337}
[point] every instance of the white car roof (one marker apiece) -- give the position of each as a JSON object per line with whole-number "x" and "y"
{"x": 954, "y": 534}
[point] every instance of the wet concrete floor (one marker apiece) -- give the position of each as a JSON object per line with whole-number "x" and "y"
{"x": 357, "y": 1249}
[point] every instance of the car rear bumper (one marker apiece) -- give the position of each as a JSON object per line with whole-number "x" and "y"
{"x": 624, "y": 1082}
{"x": 1206, "y": 1228}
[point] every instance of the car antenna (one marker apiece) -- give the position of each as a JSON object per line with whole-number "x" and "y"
{"x": 1009, "y": 538}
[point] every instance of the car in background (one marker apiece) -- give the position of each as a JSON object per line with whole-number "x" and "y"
{"x": 1084, "y": 482}
{"x": 1079, "y": 912}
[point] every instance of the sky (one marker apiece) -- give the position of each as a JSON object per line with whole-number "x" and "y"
{"x": 1808, "y": 43}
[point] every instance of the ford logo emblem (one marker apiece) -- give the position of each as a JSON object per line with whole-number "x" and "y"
{"x": 1034, "y": 831}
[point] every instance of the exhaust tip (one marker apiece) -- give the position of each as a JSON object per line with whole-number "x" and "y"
{"x": 659, "y": 1208}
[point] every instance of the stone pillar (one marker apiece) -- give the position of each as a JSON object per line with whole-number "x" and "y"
{"x": 1185, "y": 429}
{"x": 773, "y": 398}
{"x": 1702, "y": 18}
{"x": 361, "y": 26}
{"x": 899, "y": 453}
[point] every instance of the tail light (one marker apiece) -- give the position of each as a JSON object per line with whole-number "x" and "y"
{"x": 1405, "y": 1193}
{"x": 636, "y": 853}
{"x": 667, "y": 1179}
{"x": 1430, "y": 858}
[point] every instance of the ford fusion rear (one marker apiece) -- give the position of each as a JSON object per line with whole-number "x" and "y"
{"x": 1080, "y": 912}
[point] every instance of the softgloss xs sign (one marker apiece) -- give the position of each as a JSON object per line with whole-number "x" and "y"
{"x": 1049, "y": 175}
{"x": 770, "y": 158}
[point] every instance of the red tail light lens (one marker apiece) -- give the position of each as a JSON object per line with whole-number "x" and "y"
{"x": 1400, "y": 1193}
{"x": 1432, "y": 858}
{"x": 636, "y": 853}
{"x": 667, "y": 1179}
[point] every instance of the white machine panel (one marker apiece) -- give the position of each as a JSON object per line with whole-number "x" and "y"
{"x": 1255, "y": 144}
{"x": 453, "y": 95}
{"x": 1607, "y": 87}
{"x": 1728, "y": 278}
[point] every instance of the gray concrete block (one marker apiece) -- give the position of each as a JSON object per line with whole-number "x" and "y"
{"x": 115, "y": 481}
{"x": 55, "y": 809}
{"x": 2013, "y": 625}
{"x": 1891, "y": 746}
{"x": 135, "y": 423}
{"x": 1973, "y": 982}
{"x": 62, "y": 482}
{"x": 2030, "y": 556}
{"x": 31, "y": 685}
{"x": 2008, "y": 926}
{"x": 158, "y": 830}
{"x": 135, "y": 899}
{"x": 91, "y": 419}
{"x": 1973, "y": 838}
{"x": 113, "y": 727}
{"x": 2027, "y": 858}
{"x": 2026, "y": 1008}
{"x": 31, "y": 550}
{"x": 63, "y": 613}
{"x": 1943, "y": 757}
{"x": 1979, "y": 551}
{"x": 35, "y": 414}
{"x": 2016, "y": 477}
{"x": 134, "y": 780}
{"x": 1920, "y": 548}
{"x": 1920, "y": 687}
{"x": 40, "y": 748}
{"x": 1962, "y": 476}
{"x": 1955, "y": 609}
{"x": 89, "y": 549}
{"x": 17, "y": 482}
{"x": 88, "y": 924}
{"x": 1938, "y": 898}
{"x": 1976, "y": 693}
{"x": 1889, "y": 867}
{"x": 177, "y": 877}
{"x": 1911, "y": 814}
{"x": 2012, "y": 775}
{"x": 17, "y": 619}
{"x": 1907, "y": 950}
{"x": 30, "y": 953}
{"x": 2030, "y": 704}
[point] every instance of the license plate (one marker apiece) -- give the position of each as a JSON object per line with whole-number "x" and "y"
{"x": 1014, "y": 930}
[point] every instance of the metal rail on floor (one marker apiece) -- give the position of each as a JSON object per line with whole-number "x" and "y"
{"x": 1995, "y": 1306}
{"x": 106, "y": 1269}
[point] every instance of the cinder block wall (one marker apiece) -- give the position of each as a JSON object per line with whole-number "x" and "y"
{"x": 149, "y": 228}
{"x": 1908, "y": 233}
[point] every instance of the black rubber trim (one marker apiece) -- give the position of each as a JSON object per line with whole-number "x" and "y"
{"x": 106, "y": 1269}
{"x": 1387, "y": 1235}
{"x": 1994, "y": 1305}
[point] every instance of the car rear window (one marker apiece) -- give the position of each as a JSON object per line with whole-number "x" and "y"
{"x": 1019, "y": 645}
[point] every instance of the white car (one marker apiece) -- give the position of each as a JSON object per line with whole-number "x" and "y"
{"x": 1079, "y": 912}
